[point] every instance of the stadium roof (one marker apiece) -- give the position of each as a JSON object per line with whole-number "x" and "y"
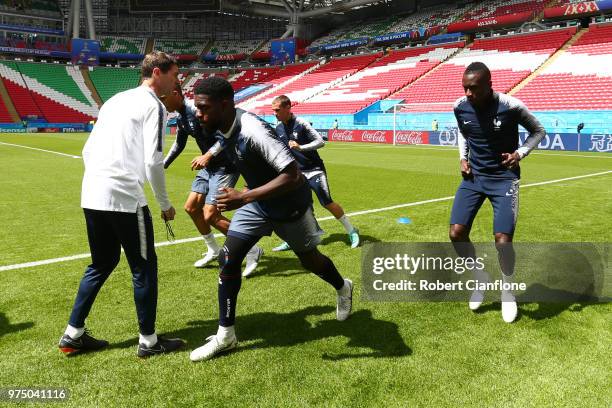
{"x": 303, "y": 8}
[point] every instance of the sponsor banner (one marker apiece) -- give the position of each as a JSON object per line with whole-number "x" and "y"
{"x": 412, "y": 34}
{"x": 552, "y": 141}
{"x": 49, "y": 130}
{"x": 14, "y": 130}
{"x": 225, "y": 57}
{"x": 445, "y": 38}
{"x": 596, "y": 143}
{"x": 490, "y": 22}
{"x": 115, "y": 56}
{"x": 71, "y": 130}
{"x": 85, "y": 52}
{"x": 345, "y": 44}
{"x": 25, "y": 51}
{"x": 25, "y": 29}
{"x": 283, "y": 51}
{"x": 604, "y": 4}
{"x": 378, "y": 136}
{"x": 573, "y": 9}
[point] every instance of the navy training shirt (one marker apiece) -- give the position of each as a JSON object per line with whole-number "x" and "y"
{"x": 493, "y": 131}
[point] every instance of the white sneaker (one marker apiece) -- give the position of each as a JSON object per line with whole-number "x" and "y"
{"x": 476, "y": 299}
{"x": 209, "y": 256}
{"x": 213, "y": 347}
{"x": 509, "y": 307}
{"x": 344, "y": 303}
{"x": 478, "y": 296}
{"x": 252, "y": 259}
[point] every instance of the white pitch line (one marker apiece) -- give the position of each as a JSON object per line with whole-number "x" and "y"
{"x": 353, "y": 214}
{"x": 603, "y": 155}
{"x": 41, "y": 150}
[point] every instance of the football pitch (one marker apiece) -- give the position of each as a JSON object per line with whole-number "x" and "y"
{"x": 292, "y": 351}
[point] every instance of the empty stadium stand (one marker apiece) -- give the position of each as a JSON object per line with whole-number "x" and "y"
{"x": 122, "y": 45}
{"x": 234, "y": 47}
{"x": 510, "y": 59}
{"x": 252, "y": 76}
{"x": 180, "y": 47}
{"x": 378, "y": 80}
{"x": 314, "y": 82}
{"x": 502, "y": 7}
{"x": 109, "y": 81}
{"x": 579, "y": 79}
{"x": 54, "y": 92}
{"x": 194, "y": 80}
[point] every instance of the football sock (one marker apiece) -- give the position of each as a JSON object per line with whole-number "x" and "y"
{"x": 211, "y": 242}
{"x": 346, "y": 224}
{"x": 73, "y": 332}
{"x": 148, "y": 340}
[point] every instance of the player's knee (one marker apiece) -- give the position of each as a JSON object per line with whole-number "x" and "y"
{"x": 502, "y": 238}
{"x": 227, "y": 263}
{"x": 210, "y": 214}
{"x": 458, "y": 233}
{"x": 190, "y": 209}
{"x": 312, "y": 260}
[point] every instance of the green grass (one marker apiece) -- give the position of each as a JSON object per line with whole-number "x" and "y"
{"x": 292, "y": 352}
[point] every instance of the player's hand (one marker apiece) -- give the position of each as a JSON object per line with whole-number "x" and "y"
{"x": 294, "y": 145}
{"x": 510, "y": 160}
{"x": 229, "y": 199}
{"x": 466, "y": 170}
{"x": 169, "y": 214}
{"x": 200, "y": 162}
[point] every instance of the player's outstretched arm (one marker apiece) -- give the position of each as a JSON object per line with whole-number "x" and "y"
{"x": 533, "y": 126}
{"x": 177, "y": 147}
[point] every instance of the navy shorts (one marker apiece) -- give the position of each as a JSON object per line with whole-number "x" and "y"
{"x": 303, "y": 234}
{"x": 502, "y": 193}
{"x": 208, "y": 183}
{"x": 318, "y": 183}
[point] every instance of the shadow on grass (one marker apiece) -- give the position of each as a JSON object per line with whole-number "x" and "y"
{"x": 7, "y": 328}
{"x": 363, "y": 239}
{"x": 550, "y": 302}
{"x": 269, "y": 329}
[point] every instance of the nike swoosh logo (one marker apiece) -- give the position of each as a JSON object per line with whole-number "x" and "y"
{"x": 508, "y": 194}
{"x": 465, "y": 122}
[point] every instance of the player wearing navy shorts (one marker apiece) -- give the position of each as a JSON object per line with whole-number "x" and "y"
{"x": 489, "y": 151}
{"x": 304, "y": 140}
{"x": 219, "y": 172}
{"x": 277, "y": 199}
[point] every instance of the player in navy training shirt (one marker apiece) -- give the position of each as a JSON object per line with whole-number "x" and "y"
{"x": 489, "y": 151}
{"x": 278, "y": 200}
{"x": 219, "y": 172}
{"x": 303, "y": 141}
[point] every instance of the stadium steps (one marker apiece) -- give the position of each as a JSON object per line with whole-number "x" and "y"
{"x": 18, "y": 90}
{"x": 149, "y": 45}
{"x": 7, "y": 105}
{"x": 282, "y": 84}
{"x": 207, "y": 48}
{"x": 428, "y": 73}
{"x": 548, "y": 62}
{"x": 346, "y": 78}
{"x": 90, "y": 86}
